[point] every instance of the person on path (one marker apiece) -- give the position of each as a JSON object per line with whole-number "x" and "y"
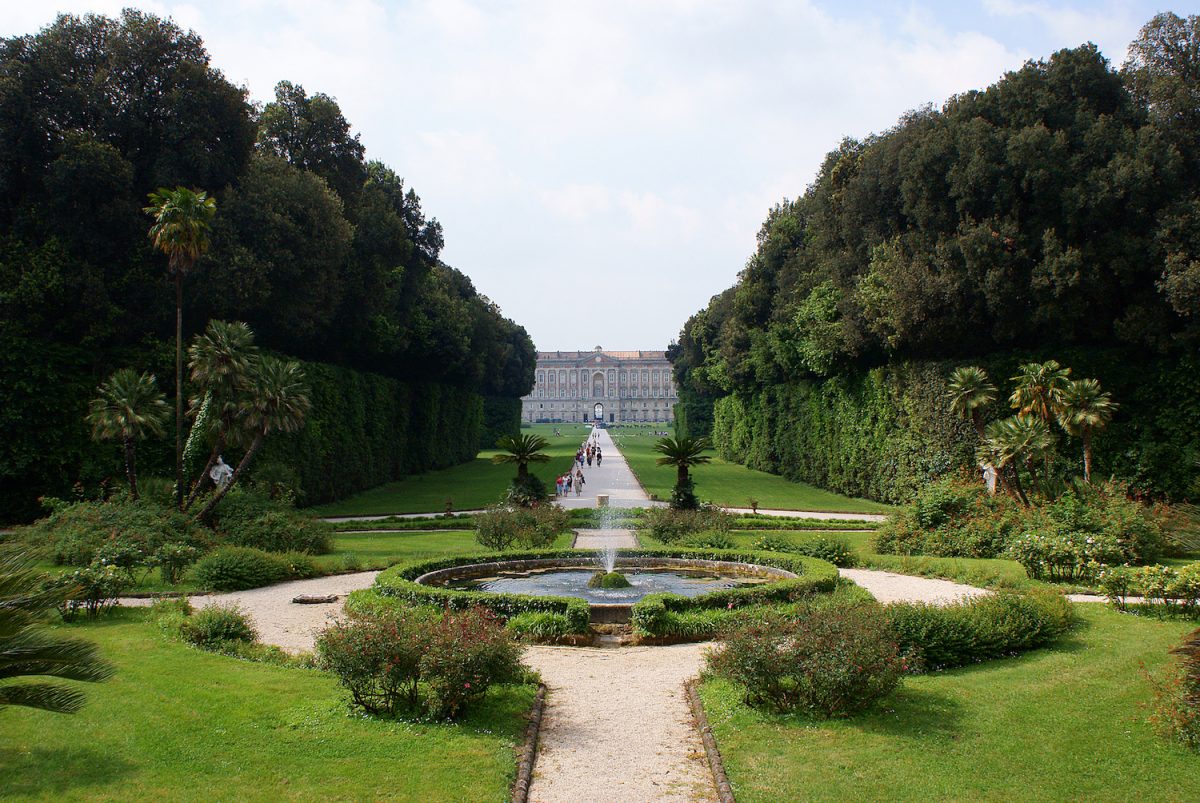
{"x": 599, "y": 458}
{"x": 558, "y": 485}
{"x": 579, "y": 481}
{"x": 568, "y": 483}
{"x": 589, "y": 458}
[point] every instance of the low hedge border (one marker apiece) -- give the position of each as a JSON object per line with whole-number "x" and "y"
{"x": 398, "y": 583}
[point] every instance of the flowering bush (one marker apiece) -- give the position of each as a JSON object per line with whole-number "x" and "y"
{"x": 1071, "y": 556}
{"x": 669, "y": 525}
{"x": 1173, "y": 589}
{"x": 402, "y": 660}
{"x": 91, "y": 589}
{"x": 826, "y": 661}
{"x": 172, "y": 560}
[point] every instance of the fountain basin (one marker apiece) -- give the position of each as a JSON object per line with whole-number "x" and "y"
{"x": 560, "y": 577}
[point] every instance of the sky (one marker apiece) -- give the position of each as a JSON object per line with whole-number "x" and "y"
{"x": 601, "y": 169}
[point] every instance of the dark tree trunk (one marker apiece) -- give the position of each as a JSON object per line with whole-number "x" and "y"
{"x": 178, "y": 389}
{"x": 131, "y": 468}
{"x": 1016, "y": 483}
{"x": 681, "y": 475}
{"x": 237, "y": 472}
{"x": 1087, "y": 454}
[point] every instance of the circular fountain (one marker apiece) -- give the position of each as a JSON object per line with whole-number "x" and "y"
{"x": 610, "y": 602}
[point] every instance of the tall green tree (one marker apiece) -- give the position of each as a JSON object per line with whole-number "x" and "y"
{"x": 182, "y": 222}
{"x": 1083, "y": 409}
{"x": 1020, "y": 440}
{"x": 129, "y": 408}
{"x": 28, "y": 650}
{"x": 277, "y": 400}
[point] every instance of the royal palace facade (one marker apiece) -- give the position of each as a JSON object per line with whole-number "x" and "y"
{"x": 597, "y": 385}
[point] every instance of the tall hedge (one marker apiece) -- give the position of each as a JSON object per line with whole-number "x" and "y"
{"x": 501, "y": 416}
{"x": 363, "y": 430}
{"x": 882, "y": 433}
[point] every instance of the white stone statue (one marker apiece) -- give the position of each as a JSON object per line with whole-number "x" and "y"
{"x": 221, "y": 473}
{"x": 989, "y": 477}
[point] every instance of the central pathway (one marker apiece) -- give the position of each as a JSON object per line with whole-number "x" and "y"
{"x": 612, "y": 477}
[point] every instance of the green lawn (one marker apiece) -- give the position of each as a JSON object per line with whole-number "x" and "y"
{"x": 179, "y": 724}
{"x": 1056, "y": 724}
{"x": 732, "y": 484}
{"x": 469, "y": 486}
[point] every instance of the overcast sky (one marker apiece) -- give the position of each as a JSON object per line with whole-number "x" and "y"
{"x": 601, "y": 168}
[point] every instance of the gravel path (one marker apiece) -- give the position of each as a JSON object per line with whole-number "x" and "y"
{"x": 889, "y": 587}
{"x": 599, "y": 539}
{"x": 617, "y": 726}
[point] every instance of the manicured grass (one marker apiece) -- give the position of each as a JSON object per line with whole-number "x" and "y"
{"x": 469, "y": 486}
{"x": 1063, "y": 723}
{"x": 175, "y": 723}
{"x": 732, "y": 484}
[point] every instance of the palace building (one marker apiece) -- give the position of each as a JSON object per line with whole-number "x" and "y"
{"x": 598, "y": 385}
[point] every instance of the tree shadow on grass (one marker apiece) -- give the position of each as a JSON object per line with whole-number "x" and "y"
{"x": 55, "y": 772}
{"x": 917, "y": 714}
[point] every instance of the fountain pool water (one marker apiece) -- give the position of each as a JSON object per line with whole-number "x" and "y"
{"x": 573, "y": 582}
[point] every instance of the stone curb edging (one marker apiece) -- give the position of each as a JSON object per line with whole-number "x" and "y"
{"x": 520, "y": 789}
{"x": 724, "y": 788}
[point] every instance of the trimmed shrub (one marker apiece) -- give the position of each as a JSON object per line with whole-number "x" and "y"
{"x": 834, "y": 550}
{"x": 1176, "y": 711}
{"x": 251, "y": 518}
{"x": 499, "y": 528}
{"x": 708, "y": 541}
{"x": 980, "y": 628}
{"x": 669, "y": 525}
{"x": 539, "y": 625}
{"x": 213, "y": 625}
{"x": 827, "y": 662}
{"x": 237, "y": 568}
{"x": 172, "y": 561}
{"x": 411, "y": 661}
{"x": 1064, "y": 556}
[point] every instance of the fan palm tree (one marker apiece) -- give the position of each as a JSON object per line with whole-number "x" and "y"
{"x": 1084, "y": 408}
{"x": 27, "y": 651}
{"x": 182, "y": 220}
{"x": 276, "y": 401}
{"x": 970, "y": 392}
{"x": 129, "y": 407}
{"x": 1019, "y": 440}
{"x": 1039, "y": 389}
{"x": 522, "y": 450}
{"x": 682, "y": 453}
{"x": 221, "y": 361}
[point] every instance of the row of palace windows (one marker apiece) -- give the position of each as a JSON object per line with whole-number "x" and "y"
{"x": 584, "y": 377}
{"x": 626, "y": 393}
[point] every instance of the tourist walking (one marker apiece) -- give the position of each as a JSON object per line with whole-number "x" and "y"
{"x": 579, "y": 481}
{"x": 599, "y": 456}
{"x": 558, "y": 485}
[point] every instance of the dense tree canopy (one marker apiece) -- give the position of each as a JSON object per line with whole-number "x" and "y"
{"x": 1059, "y": 207}
{"x": 327, "y": 256}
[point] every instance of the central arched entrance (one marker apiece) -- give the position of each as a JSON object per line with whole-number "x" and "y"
{"x": 598, "y": 410}
{"x": 597, "y": 385}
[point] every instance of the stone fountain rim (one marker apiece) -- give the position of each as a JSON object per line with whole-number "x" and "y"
{"x": 471, "y": 571}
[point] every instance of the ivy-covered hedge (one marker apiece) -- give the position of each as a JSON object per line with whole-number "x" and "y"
{"x": 884, "y": 433}
{"x": 398, "y": 583}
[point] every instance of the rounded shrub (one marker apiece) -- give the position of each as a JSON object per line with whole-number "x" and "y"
{"x": 237, "y": 568}
{"x": 708, "y": 541}
{"x": 825, "y": 661}
{"x": 214, "y": 625}
{"x": 251, "y": 518}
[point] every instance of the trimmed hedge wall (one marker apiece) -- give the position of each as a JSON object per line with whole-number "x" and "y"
{"x": 501, "y": 416}
{"x": 364, "y": 429}
{"x": 883, "y": 433}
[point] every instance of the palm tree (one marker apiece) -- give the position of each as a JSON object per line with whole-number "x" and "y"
{"x": 129, "y": 407}
{"x": 682, "y": 453}
{"x": 27, "y": 651}
{"x": 522, "y": 450}
{"x": 1019, "y": 440}
{"x": 1039, "y": 389}
{"x": 1084, "y": 408}
{"x": 970, "y": 392}
{"x": 276, "y": 401}
{"x": 221, "y": 360}
{"x": 182, "y": 219}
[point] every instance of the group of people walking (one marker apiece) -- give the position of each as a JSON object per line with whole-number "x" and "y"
{"x": 574, "y": 480}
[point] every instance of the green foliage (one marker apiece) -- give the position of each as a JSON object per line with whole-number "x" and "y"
{"x": 27, "y": 650}
{"x": 213, "y": 625}
{"x": 833, "y": 550}
{"x": 1176, "y": 711}
{"x": 91, "y": 589}
{"x": 827, "y": 661}
{"x": 236, "y": 568}
{"x": 608, "y": 580}
{"x": 708, "y": 540}
{"x": 669, "y": 525}
{"x": 74, "y": 533}
{"x": 540, "y": 625}
{"x": 173, "y": 560}
{"x": 1167, "y": 588}
{"x": 251, "y": 518}
{"x": 981, "y": 628}
{"x": 409, "y": 661}
{"x": 500, "y": 528}
{"x": 1066, "y": 556}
